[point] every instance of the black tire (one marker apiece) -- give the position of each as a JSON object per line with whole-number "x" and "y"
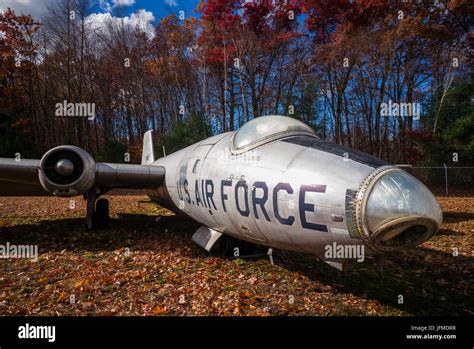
{"x": 101, "y": 214}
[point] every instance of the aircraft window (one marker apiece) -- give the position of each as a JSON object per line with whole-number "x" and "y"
{"x": 196, "y": 165}
{"x": 340, "y": 150}
{"x": 264, "y": 129}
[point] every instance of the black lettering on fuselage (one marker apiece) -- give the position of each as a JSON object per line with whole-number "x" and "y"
{"x": 242, "y": 184}
{"x": 306, "y": 207}
{"x": 203, "y": 193}
{"x": 260, "y": 201}
{"x": 196, "y": 194}
{"x": 188, "y": 197}
{"x": 287, "y": 187}
{"x": 178, "y": 187}
{"x": 225, "y": 183}
{"x": 210, "y": 193}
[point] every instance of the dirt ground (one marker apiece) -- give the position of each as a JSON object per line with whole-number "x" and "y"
{"x": 146, "y": 264}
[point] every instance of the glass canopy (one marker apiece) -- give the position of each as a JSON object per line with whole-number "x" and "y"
{"x": 264, "y": 129}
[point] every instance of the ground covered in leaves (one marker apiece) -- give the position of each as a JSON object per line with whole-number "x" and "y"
{"x": 146, "y": 264}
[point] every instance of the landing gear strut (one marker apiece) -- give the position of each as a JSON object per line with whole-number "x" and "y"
{"x": 97, "y": 211}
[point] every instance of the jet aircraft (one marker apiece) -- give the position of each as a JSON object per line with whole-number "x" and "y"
{"x": 272, "y": 183}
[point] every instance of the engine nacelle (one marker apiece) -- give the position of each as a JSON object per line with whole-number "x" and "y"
{"x": 67, "y": 171}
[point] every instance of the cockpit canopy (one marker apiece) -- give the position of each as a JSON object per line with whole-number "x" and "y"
{"x": 268, "y": 128}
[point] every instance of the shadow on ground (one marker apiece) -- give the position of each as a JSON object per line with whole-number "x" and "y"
{"x": 457, "y": 217}
{"x": 431, "y": 282}
{"x": 137, "y": 230}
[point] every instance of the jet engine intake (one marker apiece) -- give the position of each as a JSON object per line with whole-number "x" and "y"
{"x": 67, "y": 171}
{"x": 395, "y": 210}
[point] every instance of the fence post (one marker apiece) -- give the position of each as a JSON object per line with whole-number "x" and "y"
{"x": 446, "y": 177}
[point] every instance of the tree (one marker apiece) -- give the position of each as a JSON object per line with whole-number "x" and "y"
{"x": 17, "y": 64}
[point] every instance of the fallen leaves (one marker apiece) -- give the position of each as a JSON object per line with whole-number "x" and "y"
{"x": 142, "y": 266}
{"x": 159, "y": 310}
{"x": 252, "y": 280}
{"x": 61, "y": 296}
{"x": 81, "y": 283}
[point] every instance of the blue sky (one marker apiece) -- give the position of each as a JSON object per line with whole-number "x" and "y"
{"x": 143, "y": 13}
{"x": 159, "y": 8}
{"x": 116, "y": 8}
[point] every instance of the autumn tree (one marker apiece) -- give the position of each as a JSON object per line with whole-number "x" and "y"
{"x": 18, "y": 56}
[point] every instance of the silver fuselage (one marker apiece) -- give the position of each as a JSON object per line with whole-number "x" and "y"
{"x": 289, "y": 194}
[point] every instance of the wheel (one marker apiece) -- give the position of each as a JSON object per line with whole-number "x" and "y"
{"x": 100, "y": 217}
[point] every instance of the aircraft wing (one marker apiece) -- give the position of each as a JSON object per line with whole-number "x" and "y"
{"x": 68, "y": 171}
{"x": 20, "y": 178}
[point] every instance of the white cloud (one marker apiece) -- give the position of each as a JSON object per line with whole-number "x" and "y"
{"x": 99, "y": 21}
{"x": 171, "y": 2}
{"x": 123, "y": 2}
{"x": 35, "y": 8}
{"x": 109, "y": 5}
{"x": 142, "y": 18}
{"x": 105, "y": 5}
{"x": 39, "y": 8}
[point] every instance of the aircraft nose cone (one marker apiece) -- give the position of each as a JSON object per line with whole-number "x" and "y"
{"x": 64, "y": 167}
{"x": 400, "y": 211}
